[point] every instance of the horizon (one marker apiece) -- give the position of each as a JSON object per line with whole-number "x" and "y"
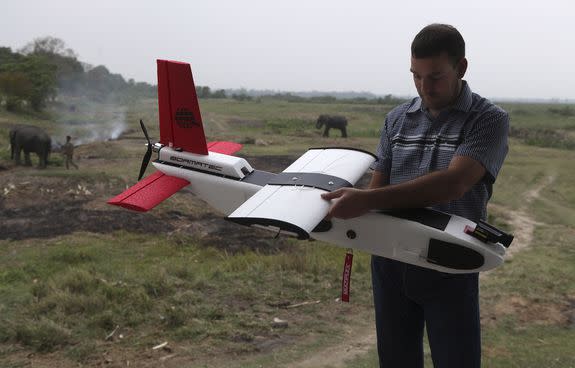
{"x": 516, "y": 49}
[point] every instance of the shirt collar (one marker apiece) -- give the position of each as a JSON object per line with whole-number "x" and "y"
{"x": 465, "y": 99}
{"x": 415, "y": 106}
{"x": 463, "y": 102}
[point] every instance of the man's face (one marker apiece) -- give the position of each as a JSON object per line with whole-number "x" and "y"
{"x": 437, "y": 80}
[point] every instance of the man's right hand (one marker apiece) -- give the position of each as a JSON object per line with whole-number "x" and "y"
{"x": 350, "y": 203}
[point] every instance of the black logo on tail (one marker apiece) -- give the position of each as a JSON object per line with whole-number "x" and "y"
{"x": 185, "y": 118}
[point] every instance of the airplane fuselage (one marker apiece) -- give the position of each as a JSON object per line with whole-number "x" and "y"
{"x": 421, "y": 237}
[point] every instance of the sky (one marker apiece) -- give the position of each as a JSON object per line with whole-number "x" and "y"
{"x": 516, "y": 49}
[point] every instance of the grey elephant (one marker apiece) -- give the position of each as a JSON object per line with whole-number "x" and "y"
{"x": 332, "y": 121}
{"x": 30, "y": 139}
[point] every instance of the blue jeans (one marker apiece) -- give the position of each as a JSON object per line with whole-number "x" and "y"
{"x": 407, "y": 297}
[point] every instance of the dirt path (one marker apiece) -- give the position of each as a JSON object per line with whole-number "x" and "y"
{"x": 361, "y": 341}
{"x": 520, "y": 220}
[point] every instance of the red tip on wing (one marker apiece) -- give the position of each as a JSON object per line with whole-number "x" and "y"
{"x": 149, "y": 192}
{"x": 227, "y": 148}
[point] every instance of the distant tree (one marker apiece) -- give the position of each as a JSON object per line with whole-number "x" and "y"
{"x": 69, "y": 71}
{"x": 389, "y": 100}
{"x": 323, "y": 99}
{"x": 7, "y": 56}
{"x": 43, "y": 79}
{"x": 48, "y": 45}
{"x": 45, "y": 67}
{"x": 143, "y": 89}
{"x": 27, "y": 78}
{"x": 242, "y": 97}
{"x": 206, "y": 92}
{"x": 14, "y": 88}
{"x": 102, "y": 83}
{"x": 9, "y": 84}
{"x": 220, "y": 93}
{"x": 202, "y": 91}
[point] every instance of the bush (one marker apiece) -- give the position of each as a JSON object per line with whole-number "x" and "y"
{"x": 565, "y": 111}
{"x": 43, "y": 335}
{"x": 543, "y": 137}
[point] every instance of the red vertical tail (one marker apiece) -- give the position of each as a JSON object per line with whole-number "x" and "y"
{"x": 180, "y": 119}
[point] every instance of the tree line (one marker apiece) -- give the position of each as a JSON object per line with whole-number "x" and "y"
{"x": 45, "y": 68}
{"x": 254, "y": 95}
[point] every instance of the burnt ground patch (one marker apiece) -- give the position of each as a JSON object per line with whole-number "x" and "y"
{"x": 66, "y": 217}
{"x": 46, "y": 207}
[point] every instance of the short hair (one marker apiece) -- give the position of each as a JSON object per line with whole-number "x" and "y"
{"x": 435, "y": 39}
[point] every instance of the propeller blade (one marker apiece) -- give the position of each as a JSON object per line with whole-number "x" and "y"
{"x": 145, "y": 131}
{"x": 145, "y": 162}
{"x": 148, "y": 154}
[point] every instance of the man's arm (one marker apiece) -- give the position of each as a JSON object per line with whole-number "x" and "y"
{"x": 378, "y": 180}
{"x": 436, "y": 187}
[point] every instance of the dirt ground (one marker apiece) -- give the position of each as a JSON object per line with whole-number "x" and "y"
{"x": 33, "y": 206}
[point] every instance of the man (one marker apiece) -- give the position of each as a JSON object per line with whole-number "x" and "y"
{"x": 443, "y": 149}
{"x": 68, "y": 151}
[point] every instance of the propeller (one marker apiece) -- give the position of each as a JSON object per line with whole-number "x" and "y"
{"x": 148, "y": 154}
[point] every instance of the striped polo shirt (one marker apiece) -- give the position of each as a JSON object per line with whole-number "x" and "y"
{"x": 413, "y": 143}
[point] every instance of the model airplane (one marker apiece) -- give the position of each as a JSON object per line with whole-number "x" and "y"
{"x": 290, "y": 202}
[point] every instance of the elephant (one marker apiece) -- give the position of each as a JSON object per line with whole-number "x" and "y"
{"x": 30, "y": 139}
{"x": 332, "y": 121}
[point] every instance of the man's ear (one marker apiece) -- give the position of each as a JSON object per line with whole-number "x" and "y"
{"x": 461, "y": 68}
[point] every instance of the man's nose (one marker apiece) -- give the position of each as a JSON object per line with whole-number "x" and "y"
{"x": 427, "y": 86}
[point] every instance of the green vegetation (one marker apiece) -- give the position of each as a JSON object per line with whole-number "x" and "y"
{"x": 206, "y": 92}
{"x": 74, "y": 291}
{"x": 26, "y": 78}
{"x": 45, "y": 68}
{"x": 543, "y": 125}
{"x": 61, "y": 297}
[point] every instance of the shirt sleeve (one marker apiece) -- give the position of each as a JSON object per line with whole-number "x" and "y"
{"x": 486, "y": 141}
{"x": 383, "y": 153}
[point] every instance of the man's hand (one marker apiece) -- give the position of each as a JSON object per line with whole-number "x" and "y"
{"x": 350, "y": 203}
{"x": 430, "y": 189}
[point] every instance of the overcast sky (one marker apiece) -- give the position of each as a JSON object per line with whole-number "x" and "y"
{"x": 516, "y": 49}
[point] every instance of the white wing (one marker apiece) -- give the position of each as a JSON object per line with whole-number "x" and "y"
{"x": 291, "y": 202}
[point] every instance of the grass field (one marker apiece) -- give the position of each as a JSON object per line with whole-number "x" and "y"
{"x": 108, "y": 297}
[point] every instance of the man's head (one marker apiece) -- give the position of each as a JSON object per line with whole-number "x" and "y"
{"x": 438, "y": 64}
{"x": 68, "y": 138}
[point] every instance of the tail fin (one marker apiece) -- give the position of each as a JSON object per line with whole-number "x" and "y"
{"x": 180, "y": 119}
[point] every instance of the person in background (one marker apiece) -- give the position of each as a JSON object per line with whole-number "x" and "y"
{"x": 68, "y": 152}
